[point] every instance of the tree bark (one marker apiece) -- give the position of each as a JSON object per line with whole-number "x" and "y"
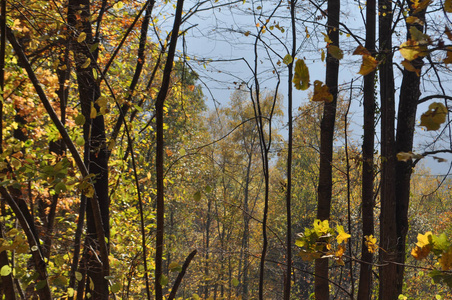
{"x": 159, "y": 105}
{"x": 365, "y": 280}
{"x": 388, "y": 234}
{"x": 96, "y": 156}
{"x": 321, "y": 287}
{"x": 406, "y": 120}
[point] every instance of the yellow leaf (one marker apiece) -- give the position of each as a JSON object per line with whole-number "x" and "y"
{"x": 360, "y": 50}
{"x": 321, "y": 92}
{"x": 335, "y": 52}
{"x": 410, "y": 67}
{"x": 413, "y": 20}
{"x": 424, "y": 239}
{"x": 420, "y": 252}
{"x": 93, "y": 113}
{"x": 86, "y": 63}
{"x": 446, "y": 260}
{"x": 371, "y": 243}
{"x": 420, "y": 6}
{"x": 323, "y": 55}
{"x": 301, "y": 76}
{"x": 368, "y": 65}
{"x": 434, "y": 117}
{"x": 81, "y": 37}
{"x": 342, "y": 235}
{"x": 410, "y": 50}
{"x": 326, "y": 38}
{"x": 340, "y": 251}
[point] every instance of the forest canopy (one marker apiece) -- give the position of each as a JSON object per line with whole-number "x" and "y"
{"x": 225, "y": 149}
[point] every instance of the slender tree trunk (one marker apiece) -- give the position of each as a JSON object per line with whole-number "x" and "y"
{"x": 96, "y": 155}
{"x": 288, "y": 273}
{"x": 321, "y": 287}
{"x": 365, "y": 280}
{"x": 159, "y": 105}
{"x": 406, "y": 120}
{"x": 388, "y": 230}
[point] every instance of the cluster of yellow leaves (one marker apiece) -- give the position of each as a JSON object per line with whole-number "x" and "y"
{"x": 423, "y": 246}
{"x": 371, "y": 243}
{"x": 318, "y": 242}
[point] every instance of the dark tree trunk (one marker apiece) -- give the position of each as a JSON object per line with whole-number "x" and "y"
{"x": 388, "y": 233}
{"x": 365, "y": 280}
{"x": 321, "y": 287}
{"x": 159, "y": 105}
{"x": 406, "y": 120}
{"x": 96, "y": 156}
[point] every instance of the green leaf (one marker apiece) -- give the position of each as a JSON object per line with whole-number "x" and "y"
{"x": 208, "y": 189}
{"x": 80, "y": 119}
{"x": 335, "y": 52}
{"x": 78, "y": 276}
{"x": 287, "y": 59}
{"x": 197, "y": 196}
{"x": 80, "y": 141}
{"x": 235, "y": 282}
{"x": 301, "y": 76}
{"x": 163, "y": 280}
{"x": 40, "y": 284}
{"x": 6, "y": 270}
{"x": 182, "y": 152}
{"x": 434, "y": 117}
{"x": 116, "y": 287}
{"x": 60, "y": 187}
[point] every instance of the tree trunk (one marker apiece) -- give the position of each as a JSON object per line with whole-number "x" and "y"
{"x": 388, "y": 233}
{"x": 96, "y": 155}
{"x": 321, "y": 287}
{"x": 159, "y": 105}
{"x": 365, "y": 280}
{"x": 406, "y": 120}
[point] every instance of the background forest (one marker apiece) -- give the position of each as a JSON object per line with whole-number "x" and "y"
{"x": 225, "y": 149}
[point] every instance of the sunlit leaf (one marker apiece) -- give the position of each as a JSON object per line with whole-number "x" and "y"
{"x": 342, "y": 236}
{"x": 86, "y": 63}
{"x": 411, "y": 50}
{"x": 368, "y": 65}
{"x": 5, "y": 270}
{"x": 371, "y": 243}
{"x": 81, "y": 37}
